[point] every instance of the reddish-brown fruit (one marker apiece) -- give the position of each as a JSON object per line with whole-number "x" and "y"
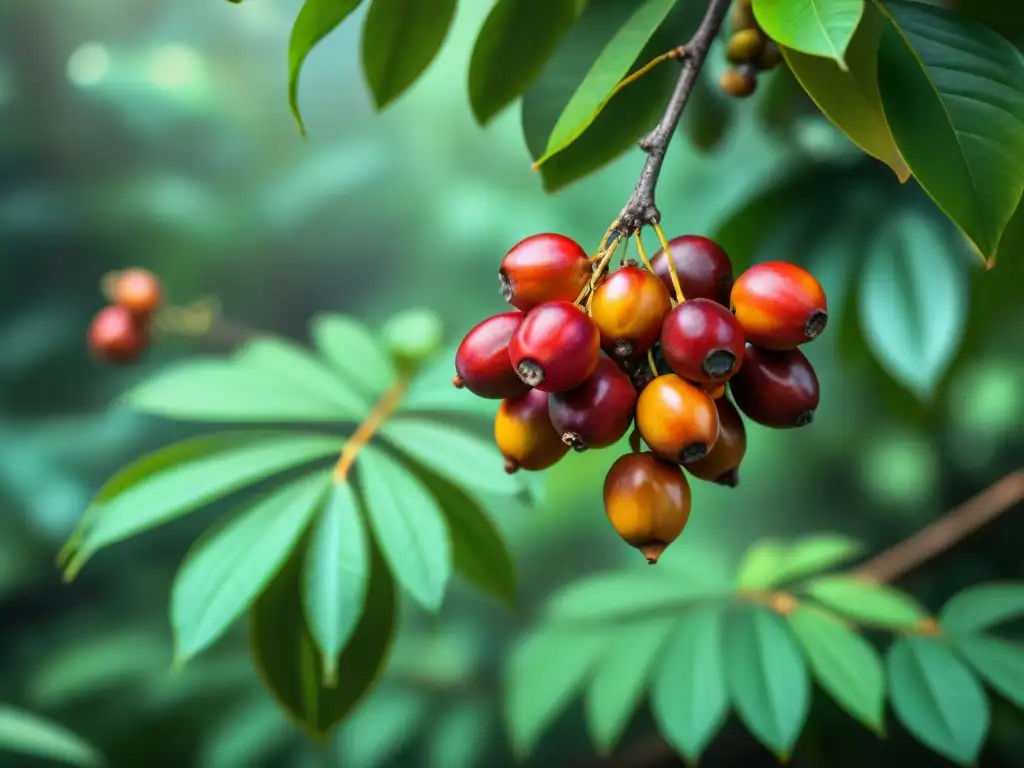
{"x": 556, "y": 347}
{"x": 647, "y": 500}
{"x": 702, "y": 341}
{"x": 482, "y": 364}
{"x": 524, "y": 435}
{"x": 770, "y": 56}
{"x": 137, "y": 290}
{"x": 677, "y": 419}
{"x": 598, "y": 412}
{"x": 739, "y": 82}
{"x": 779, "y": 305}
{"x": 776, "y": 388}
{"x": 116, "y": 335}
{"x": 722, "y": 464}
{"x": 546, "y": 267}
{"x": 704, "y": 269}
{"x": 628, "y": 308}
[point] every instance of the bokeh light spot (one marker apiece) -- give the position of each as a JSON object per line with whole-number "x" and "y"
{"x": 88, "y": 65}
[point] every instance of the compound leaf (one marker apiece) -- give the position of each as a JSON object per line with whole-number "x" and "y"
{"x": 354, "y": 352}
{"x": 866, "y": 601}
{"x": 999, "y": 662}
{"x": 982, "y": 607}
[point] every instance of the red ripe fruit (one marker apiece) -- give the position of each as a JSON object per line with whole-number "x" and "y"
{"x": 704, "y": 269}
{"x": 677, "y": 419}
{"x": 482, "y": 364}
{"x": 776, "y": 388}
{"x": 116, "y": 335}
{"x": 524, "y": 435}
{"x": 628, "y": 308}
{"x": 721, "y": 466}
{"x": 138, "y": 291}
{"x": 556, "y": 347}
{"x": 598, "y": 412}
{"x": 702, "y": 341}
{"x": 543, "y": 268}
{"x": 779, "y": 305}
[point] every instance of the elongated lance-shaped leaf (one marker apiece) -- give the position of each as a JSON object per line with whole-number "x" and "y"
{"x": 999, "y": 662}
{"x": 24, "y": 733}
{"x": 462, "y": 737}
{"x": 816, "y": 27}
{"x": 761, "y": 564}
{"x": 866, "y": 601}
{"x": 355, "y": 352}
{"x": 983, "y": 606}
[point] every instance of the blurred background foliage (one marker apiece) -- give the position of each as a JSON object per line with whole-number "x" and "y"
{"x": 156, "y": 133}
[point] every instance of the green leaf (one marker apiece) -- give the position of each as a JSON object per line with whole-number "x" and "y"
{"x": 850, "y": 99}
{"x": 461, "y": 737}
{"x": 709, "y": 113}
{"x": 817, "y": 27}
{"x": 296, "y": 368}
{"x": 768, "y": 680}
{"x": 913, "y": 302}
{"x": 845, "y": 664}
{"x": 953, "y": 93}
{"x": 335, "y": 576}
{"x": 512, "y": 48}
{"x": 354, "y": 352}
{"x": 983, "y": 606}
{"x": 999, "y": 662}
{"x": 382, "y": 727}
{"x": 546, "y": 670}
{"x": 286, "y": 659}
{"x": 412, "y": 336}
{"x": 620, "y": 680}
{"x": 937, "y": 698}
{"x": 227, "y": 569}
{"x": 184, "y": 477}
{"x": 866, "y": 601}
{"x": 400, "y": 39}
{"x": 452, "y": 453}
{"x": 316, "y": 20}
{"x": 27, "y": 734}
{"x": 221, "y": 390}
{"x": 814, "y": 554}
{"x": 689, "y": 697}
{"x": 761, "y": 564}
{"x": 409, "y": 527}
{"x": 613, "y": 64}
{"x": 254, "y": 727}
{"x": 432, "y": 391}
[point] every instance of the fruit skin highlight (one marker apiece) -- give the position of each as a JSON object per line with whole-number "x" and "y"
{"x": 524, "y": 434}
{"x": 677, "y": 419}
{"x": 541, "y": 268}
{"x": 556, "y": 347}
{"x": 702, "y": 341}
{"x": 722, "y": 465}
{"x": 647, "y": 500}
{"x": 138, "y": 290}
{"x": 482, "y": 364}
{"x": 116, "y": 335}
{"x": 776, "y": 388}
{"x": 629, "y": 307}
{"x": 598, "y": 412}
{"x": 780, "y": 305}
{"x": 704, "y": 269}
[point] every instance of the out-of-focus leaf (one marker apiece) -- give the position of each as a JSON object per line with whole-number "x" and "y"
{"x": 432, "y": 391}
{"x": 228, "y": 568}
{"x": 814, "y": 554}
{"x": 761, "y": 564}
{"x": 983, "y": 606}
{"x": 708, "y": 114}
{"x": 248, "y": 732}
{"x": 999, "y": 662}
{"x": 818, "y": 27}
{"x": 382, "y": 727}
{"x": 461, "y": 737}
{"x": 866, "y": 601}
{"x": 27, "y": 734}
{"x": 412, "y": 336}
{"x": 355, "y": 352}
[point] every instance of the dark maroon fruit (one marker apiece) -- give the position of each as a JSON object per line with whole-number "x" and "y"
{"x": 598, "y": 412}
{"x": 776, "y": 388}
{"x": 704, "y": 269}
{"x": 702, "y": 341}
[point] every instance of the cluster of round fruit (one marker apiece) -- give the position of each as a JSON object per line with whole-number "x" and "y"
{"x": 119, "y": 332}
{"x": 750, "y": 51}
{"x": 585, "y": 354}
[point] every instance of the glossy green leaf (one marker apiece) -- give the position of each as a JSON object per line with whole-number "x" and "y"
{"x": 850, "y": 98}
{"x": 953, "y": 93}
{"x": 761, "y": 565}
{"x": 23, "y": 733}
{"x": 814, "y": 554}
{"x": 865, "y": 601}
{"x": 182, "y": 478}
{"x": 768, "y": 680}
{"x": 546, "y": 670}
{"x": 461, "y": 738}
{"x": 983, "y": 606}
{"x": 293, "y": 367}
{"x": 612, "y": 64}
{"x": 845, "y": 664}
{"x": 400, "y": 39}
{"x": 512, "y": 48}
{"x": 913, "y": 302}
{"x": 409, "y": 527}
{"x": 226, "y": 570}
{"x": 335, "y": 575}
{"x": 937, "y": 698}
{"x": 999, "y": 662}
{"x": 689, "y": 696}
{"x": 454, "y": 454}
{"x": 816, "y": 27}
{"x": 316, "y": 20}
{"x": 620, "y": 679}
{"x": 355, "y": 352}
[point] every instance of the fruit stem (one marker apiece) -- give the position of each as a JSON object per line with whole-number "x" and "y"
{"x": 605, "y": 256}
{"x": 191, "y": 321}
{"x": 676, "y": 285}
{"x": 380, "y": 413}
{"x": 676, "y": 53}
{"x": 650, "y": 362}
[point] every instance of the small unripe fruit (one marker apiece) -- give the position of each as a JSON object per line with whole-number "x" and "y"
{"x": 524, "y": 435}
{"x": 482, "y": 364}
{"x": 116, "y": 335}
{"x": 647, "y": 501}
{"x": 556, "y": 347}
{"x": 770, "y": 56}
{"x": 742, "y": 16}
{"x": 721, "y": 466}
{"x": 546, "y": 267}
{"x": 739, "y": 82}
{"x": 598, "y": 412}
{"x": 628, "y": 308}
{"x": 779, "y": 305}
{"x": 677, "y": 419}
{"x": 702, "y": 341}
{"x": 776, "y": 388}
{"x": 745, "y": 45}
{"x": 137, "y": 290}
{"x": 704, "y": 269}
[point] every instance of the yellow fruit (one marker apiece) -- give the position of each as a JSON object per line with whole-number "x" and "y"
{"x": 745, "y": 45}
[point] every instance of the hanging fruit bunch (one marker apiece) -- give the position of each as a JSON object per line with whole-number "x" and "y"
{"x": 750, "y": 51}
{"x": 119, "y": 332}
{"x": 586, "y": 353}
